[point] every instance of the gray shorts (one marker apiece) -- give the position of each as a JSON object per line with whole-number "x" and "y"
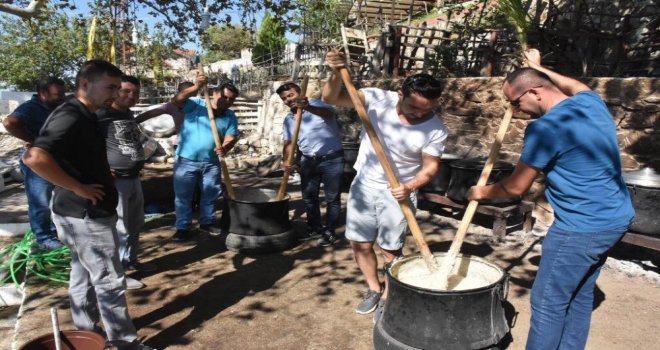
{"x": 373, "y": 215}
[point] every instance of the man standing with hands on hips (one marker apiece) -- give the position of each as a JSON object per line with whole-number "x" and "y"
{"x": 322, "y": 161}
{"x": 70, "y": 153}
{"x": 573, "y": 142}
{"x": 413, "y": 138}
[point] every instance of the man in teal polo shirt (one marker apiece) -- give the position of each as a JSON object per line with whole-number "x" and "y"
{"x": 197, "y": 157}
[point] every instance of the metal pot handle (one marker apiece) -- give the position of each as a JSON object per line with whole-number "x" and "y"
{"x": 504, "y": 290}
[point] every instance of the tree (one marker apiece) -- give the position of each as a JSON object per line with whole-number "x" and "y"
{"x": 224, "y": 42}
{"x": 183, "y": 16}
{"x": 270, "y": 41}
{"x": 320, "y": 20}
{"x": 52, "y": 46}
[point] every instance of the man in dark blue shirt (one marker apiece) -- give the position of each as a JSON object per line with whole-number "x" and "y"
{"x": 25, "y": 123}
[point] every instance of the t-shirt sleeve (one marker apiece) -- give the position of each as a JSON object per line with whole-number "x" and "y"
{"x": 540, "y": 145}
{"x": 193, "y": 103}
{"x": 436, "y": 145}
{"x": 232, "y": 128}
{"x": 320, "y": 104}
{"x": 56, "y": 134}
{"x": 22, "y": 112}
{"x": 287, "y": 125}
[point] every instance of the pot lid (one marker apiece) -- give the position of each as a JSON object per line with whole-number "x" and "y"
{"x": 479, "y": 163}
{"x": 646, "y": 177}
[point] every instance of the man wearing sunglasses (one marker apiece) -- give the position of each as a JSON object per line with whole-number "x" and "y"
{"x": 573, "y": 142}
{"x": 413, "y": 138}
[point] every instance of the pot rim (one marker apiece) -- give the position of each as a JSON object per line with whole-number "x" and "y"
{"x": 262, "y": 190}
{"x": 389, "y": 266}
{"x": 645, "y": 177}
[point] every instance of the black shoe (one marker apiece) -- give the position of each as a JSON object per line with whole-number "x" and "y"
{"x": 141, "y": 267}
{"x": 310, "y": 235}
{"x": 327, "y": 239}
{"x": 181, "y": 235}
{"x": 212, "y": 230}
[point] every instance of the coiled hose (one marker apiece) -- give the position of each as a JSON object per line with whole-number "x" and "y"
{"x": 24, "y": 258}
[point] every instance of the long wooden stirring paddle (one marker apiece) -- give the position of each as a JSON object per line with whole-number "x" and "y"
{"x": 450, "y": 259}
{"x": 216, "y": 138}
{"x": 294, "y": 142}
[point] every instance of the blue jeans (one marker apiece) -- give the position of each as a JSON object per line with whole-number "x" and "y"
{"x": 187, "y": 175}
{"x": 38, "y": 192}
{"x": 563, "y": 293}
{"x": 312, "y": 174}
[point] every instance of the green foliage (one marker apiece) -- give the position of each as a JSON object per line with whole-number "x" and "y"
{"x": 518, "y": 17}
{"x": 270, "y": 41}
{"x": 52, "y": 45}
{"x": 225, "y": 42}
{"x": 319, "y": 20}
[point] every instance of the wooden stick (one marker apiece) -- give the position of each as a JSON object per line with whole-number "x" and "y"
{"x": 294, "y": 141}
{"x": 387, "y": 167}
{"x": 216, "y": 138}
{"x": 450, "y": 259}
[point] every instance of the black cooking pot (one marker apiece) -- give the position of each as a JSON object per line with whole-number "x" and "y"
{"x": 465, "y": 174}
{"x": 644, "y": 187}
{"x": 420, "y": 318}
{"x": 440, "y": 182}
{"x": 254, "y": 212}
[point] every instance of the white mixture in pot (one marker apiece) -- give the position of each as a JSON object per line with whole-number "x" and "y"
{"x": 471, "y": 274}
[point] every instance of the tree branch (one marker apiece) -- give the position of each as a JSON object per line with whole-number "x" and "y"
{"x": 32, "y": 10}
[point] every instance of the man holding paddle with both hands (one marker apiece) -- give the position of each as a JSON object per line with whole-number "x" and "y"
{"x": 573, "y": 142}
{"x": 413, "y": 139}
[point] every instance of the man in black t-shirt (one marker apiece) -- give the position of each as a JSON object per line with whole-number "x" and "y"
{"x": 70, "y": 153}
{"x": 126, "y": 158}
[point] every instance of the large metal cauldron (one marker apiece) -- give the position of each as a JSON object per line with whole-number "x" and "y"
{"x": 258, "y": 223}
{"x": 420, "y": 318}
{"x": 440, "y": 182}
{"x": 465, "y": 174}
{"x": 644, "y": 187}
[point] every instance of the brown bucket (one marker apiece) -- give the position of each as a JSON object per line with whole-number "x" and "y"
{"x": 71, "y": 340}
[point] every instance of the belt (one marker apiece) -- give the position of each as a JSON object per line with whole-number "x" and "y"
{"x": 328, "y": 156}
{"x": 125, "y": 173}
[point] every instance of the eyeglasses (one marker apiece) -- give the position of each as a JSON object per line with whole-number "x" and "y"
{"x": 516, "y": 102}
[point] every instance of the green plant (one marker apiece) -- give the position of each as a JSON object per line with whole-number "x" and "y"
{"x": 518, "y": 17}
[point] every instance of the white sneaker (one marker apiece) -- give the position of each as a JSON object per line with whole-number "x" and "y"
{"x": 132, "y": 283}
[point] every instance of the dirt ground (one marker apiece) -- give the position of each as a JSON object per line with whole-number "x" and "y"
{"x": 206, "y": 297}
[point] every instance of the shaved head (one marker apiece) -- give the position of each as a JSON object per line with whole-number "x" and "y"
{"x": 526, "y": 78}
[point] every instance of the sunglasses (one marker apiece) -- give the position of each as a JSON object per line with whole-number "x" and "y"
{"x": 516, "y": 102}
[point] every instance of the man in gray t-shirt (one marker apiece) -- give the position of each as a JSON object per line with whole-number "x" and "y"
{"x": 322, "y": 161}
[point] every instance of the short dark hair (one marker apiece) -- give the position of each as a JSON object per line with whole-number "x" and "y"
{"x": 184, "y": 85}
{"x": 423, "y": 85}
{"x": 229, "y": 86}
{"x": 45, "y": 83}
{"x": 525, "y": 78}
{"x": 130, "y": 79}
{"x": 287, "y": 87}
{"x": 93, "y": 70}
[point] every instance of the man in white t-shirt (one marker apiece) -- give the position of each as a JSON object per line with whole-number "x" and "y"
{"x": 413, "y": 139}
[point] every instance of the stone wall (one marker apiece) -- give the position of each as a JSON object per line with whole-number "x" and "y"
{"x": 472, "y": 109}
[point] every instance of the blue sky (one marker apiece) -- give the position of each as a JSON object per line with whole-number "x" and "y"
{"x": 142, "y": 13}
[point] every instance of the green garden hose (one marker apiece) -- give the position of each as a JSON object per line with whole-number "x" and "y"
{"x": 23, "y": 258}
